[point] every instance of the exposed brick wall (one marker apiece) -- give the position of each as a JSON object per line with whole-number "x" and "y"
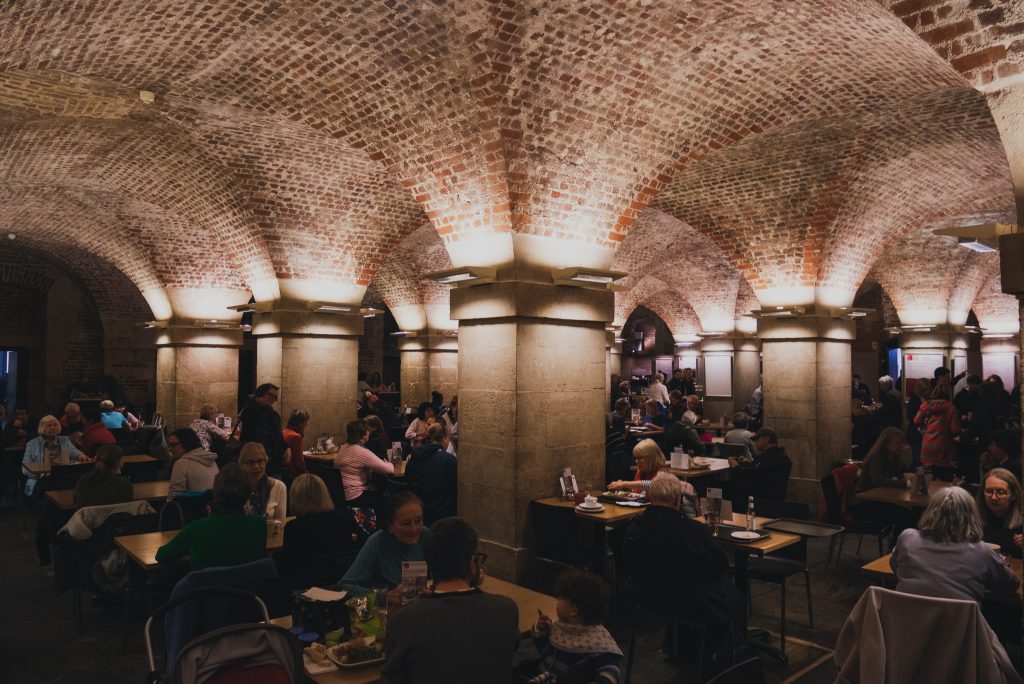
{"x": 22, "y": 310}
{"x": 996, "y": 311}
{"x": 982, "y": 39}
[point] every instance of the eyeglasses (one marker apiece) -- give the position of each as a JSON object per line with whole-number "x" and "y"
{"x": 997, "y": 493}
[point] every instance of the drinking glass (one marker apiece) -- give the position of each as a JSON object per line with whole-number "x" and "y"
{"x": 381, "y": 599}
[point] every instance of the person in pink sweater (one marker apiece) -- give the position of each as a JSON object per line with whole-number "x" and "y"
{"x": 357, "y": 464}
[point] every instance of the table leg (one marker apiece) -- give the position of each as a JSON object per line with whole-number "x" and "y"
{"x": 757, "y": 640}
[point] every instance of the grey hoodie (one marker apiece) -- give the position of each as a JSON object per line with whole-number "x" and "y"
{"x": 193, "y": 472}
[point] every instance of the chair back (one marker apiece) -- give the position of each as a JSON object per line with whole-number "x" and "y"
{"x": 148, "y": 471}
{"x": 749, "y": 671}
{"x": 830, "y": 496}
{"x": 66, "y": 476}
{"x": 331, "y": 477}
{"x": 171, "y": 517}
{"x": 241, "y": 654}
{"x": 732, "y": 450}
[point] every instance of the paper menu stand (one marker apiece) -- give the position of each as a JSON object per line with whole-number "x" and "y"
{"x": 677, "y": 459}
{"x": 414, "y": 579}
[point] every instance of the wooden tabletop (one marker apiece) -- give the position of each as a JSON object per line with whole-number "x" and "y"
{"x": 717, "y": 465}
{"x": 611, "y": 514}
{"x": 144, "y": 491}
{"x": 40, "y": 469}
{"x": 881, "y": 568}
{"x": 142, "y": 548}
{"x": 901, "y": 496}
{"x": 774, "y": 542}
{"x": 329, "y": 459}
{"x": 529, "y": 602}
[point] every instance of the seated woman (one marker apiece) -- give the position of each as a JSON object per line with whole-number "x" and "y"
{"x": 268, "y": 496}
{"x": 317, "y": 529}
{"x": 945, "y": 557}
{"x": 229, "y": 536}
{"x": 104, "y": 485}
{"x": 432, "y": 472}
{"x": 417, "y": 430}
{"x": 999, "y": 501}
{"x": 293, "y": 435}
{"x": 49, "y": 441}
{"x": 356, "y": 464}
{"x": 112, "y": 420}
{"x": 401, "y": 538}
{"x": 378, "y": 443}
{"x": 886, "y": 462}
{"x": 649, "y": 462}
{"x": 194, "y": 466}
{"x": 653, "y": 417}
{"x": 206, "y": 428}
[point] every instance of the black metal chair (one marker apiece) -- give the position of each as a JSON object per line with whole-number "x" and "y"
{"x": 833, "y": 515}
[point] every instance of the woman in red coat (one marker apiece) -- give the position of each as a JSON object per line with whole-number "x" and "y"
{"x": 940, "y": 423}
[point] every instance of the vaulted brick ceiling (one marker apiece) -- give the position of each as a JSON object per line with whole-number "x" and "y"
{"x": 765, "y": 147}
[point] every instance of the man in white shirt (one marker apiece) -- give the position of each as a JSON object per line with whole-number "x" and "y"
{"x": 657, "y": 391}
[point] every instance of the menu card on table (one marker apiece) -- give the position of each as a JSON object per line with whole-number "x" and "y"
{"x": 414, "y": 579}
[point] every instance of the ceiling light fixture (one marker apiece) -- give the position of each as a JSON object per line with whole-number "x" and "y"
{"x": 779, "y": 312}
{"x": 465, "y": 275}
{"x": 216, "y": 324}
{"x": 983, "y": 237}
{"x": 998, "y": 336}
{"x": 370, "y": 312}
{"x": 328, "y": 307}
{"x": 620, "y": 340}
{"x": 584, "y": 276}
{"x": 976, "y": 245}
{"x": 243, "y": 308}
{"x": 403, "y": 333}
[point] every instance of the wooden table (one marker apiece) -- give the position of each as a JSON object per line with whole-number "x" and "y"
{"x": 717, "y": 466}
{"x": 529, "y": 602}
{"x": 40, "y": 469}
{"x": 902, "y": 496}
{"x": 611, "y": 515}
{"x": 329, "y": 460}
{"x": 143, "y": 491}
{"x": 142, "y": 548}
{"x": 880, "y": 567}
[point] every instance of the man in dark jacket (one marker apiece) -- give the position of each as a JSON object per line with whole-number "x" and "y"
{"x": 682, "y": 434}
{"x": 661, "y": 541}
{"x": 432, "y": 472}
{"x": 261, "y": 423}
{"x": 765, "y": 475}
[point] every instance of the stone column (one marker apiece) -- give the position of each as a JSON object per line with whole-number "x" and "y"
{"x": 746, "y": 370}
{"x": 196, "y": 366}
{"x": 532, "y": 395}
{"x": 717, "y": 406}
{"x": 430, "y": 361}
{"x": 313, "y": 357}
{"x": 807, "y": 394}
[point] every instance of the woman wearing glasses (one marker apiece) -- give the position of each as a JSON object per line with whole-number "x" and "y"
{"x": 999, "y": 502}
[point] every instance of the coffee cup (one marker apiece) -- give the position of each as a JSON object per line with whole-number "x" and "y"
{"x": 590, "y": 502}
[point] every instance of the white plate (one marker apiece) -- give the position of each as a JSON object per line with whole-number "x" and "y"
{"x": 596, "y": 509}
{"x": 745, "y": 534}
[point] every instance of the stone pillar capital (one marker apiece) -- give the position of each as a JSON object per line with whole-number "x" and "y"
{"x": 520, "y": 299}
{"x": 430, "y": 340}
{"x": 294, "y": 323}
{"x": 807, "y": 327}
{"x": 944, "y": 337}
{"x": 191, "y": 335}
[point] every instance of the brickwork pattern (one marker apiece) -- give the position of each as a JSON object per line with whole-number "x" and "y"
{"x": 982, "y": 39}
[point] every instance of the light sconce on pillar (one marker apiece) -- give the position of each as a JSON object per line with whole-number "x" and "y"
{"x": 779, "y": 312}
{"x": 216, "y": 324}
{"x": 370, "y": 312}
{"x": 404, "y": 333}
{"x": 983, "y": 237}
{"x": 149, "y": 325}
{"x": 582, "y": 276}
{"x": 328, "y": 307}
{"x": 464, "y": 276}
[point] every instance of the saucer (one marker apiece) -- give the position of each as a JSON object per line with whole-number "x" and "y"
{"x": 596, "y": 509}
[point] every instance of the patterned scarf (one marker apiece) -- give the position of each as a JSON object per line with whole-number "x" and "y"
{"x": 583, "y": 639}
{"x": 258, "y": 497}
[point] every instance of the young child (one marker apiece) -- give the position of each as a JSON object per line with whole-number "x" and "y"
{"x": 577, "y": 634}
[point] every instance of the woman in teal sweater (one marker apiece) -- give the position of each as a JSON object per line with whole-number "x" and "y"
{"x": 228, "y": 536}
{"x": 402, "y": 538}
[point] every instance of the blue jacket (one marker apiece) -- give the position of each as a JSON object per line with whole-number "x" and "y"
{"x": 112, "y": 420}
{"x": 35, "y": 452}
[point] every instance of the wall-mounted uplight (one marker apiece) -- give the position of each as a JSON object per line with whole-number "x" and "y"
{"x": 983, "y": 237}
{"x": 998, "y": 336}
{"x": 370, "y": 312}
{"x": 620, "y": 340}
{"x": 327, "y": 307}
{"x": 149, "y": 325}
{"x": 976, "y": 245}
{"x": 403, "y": 333}
{"x": 216, "y": 323}
{"x": 711, "y": 333}
{"x": 464, "y": 275}
{"x": 581, "y": 276}
{"x": 243, "y": 308}
{"x": 778, "y": 312}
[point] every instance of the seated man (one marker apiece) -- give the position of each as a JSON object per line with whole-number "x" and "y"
{"x": 17, "y": 431}
{"x": 740, "y": 434}
{"x": 661, "y": 541}
{"x": 95, "y": 434}
{"x": 682, "y": 434}
{"x": 1003, "y": 452}
{"x": 617, "y": 418}
{"x": 112, "y": 419}
{"x": 764, "y": 475}
{"x": 676, "y": 405}
{"x": 480, "y": 632}
{"x": 694, "y": 405}
{"x": 71, "y": 421}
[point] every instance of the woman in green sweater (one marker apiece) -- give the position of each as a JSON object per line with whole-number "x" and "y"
{"x": 228, "y": 536}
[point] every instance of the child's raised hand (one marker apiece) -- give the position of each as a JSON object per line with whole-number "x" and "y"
{"x": 543, "y": 625}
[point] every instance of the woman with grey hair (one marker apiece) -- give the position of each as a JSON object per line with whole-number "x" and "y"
{"x": 206, "y": 428}
{"x": 946, "y": 557}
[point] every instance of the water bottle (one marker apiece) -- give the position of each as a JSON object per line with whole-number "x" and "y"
{"x": 751, "y": 524}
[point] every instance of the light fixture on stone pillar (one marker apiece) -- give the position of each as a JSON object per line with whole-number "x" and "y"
{"x": 153, "y": 324}
{"x": 983, "y": 237}
{"x": 464, "y": 276}
{"x": 370, "y": 312}
{"x": 243, "y": 308}
{"x": 779, "y": 312}
{"x": 216, "y": 324}
{"x": 329, "y": 307}
{"x": 404, "y": 333}
{"x": 582, "y": 276}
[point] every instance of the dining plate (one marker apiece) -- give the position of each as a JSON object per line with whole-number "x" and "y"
{"x": 597, "y": 509}
{"x": 746, "y": 535}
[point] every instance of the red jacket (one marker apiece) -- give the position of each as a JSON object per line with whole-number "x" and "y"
{"x": 940, "y": 421}
{"x": 94, "y": 436}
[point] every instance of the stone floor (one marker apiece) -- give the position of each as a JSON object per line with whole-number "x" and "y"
{"x": 41, "y": 644}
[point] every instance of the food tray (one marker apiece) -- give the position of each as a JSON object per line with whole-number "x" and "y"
{"x": 725, "y": 532}
{"x": 352, "y": 666}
